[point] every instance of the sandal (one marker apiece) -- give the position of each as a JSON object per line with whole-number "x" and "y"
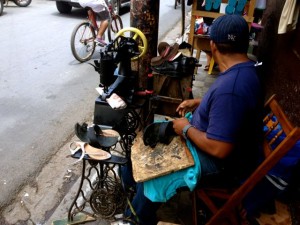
{"x": 239, "y": 9}
{"x": 216, "y": 4}
{"x": 95, "y": 136}
{"x": 206, "y": 68}
{"x": 208, "y": 5}
{"x": 162, "y": 132}
{"x": 230, "y": 7}
{"x": 87, "y": 150}
{"x": 166, "y": 52}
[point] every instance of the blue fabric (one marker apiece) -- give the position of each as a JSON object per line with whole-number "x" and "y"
{"x": 287, "y": 163}
{"x": 163, "y": 188}
{"x": 266, "y": 191}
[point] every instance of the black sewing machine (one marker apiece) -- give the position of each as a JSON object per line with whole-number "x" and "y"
{"x": 114, "y": 68}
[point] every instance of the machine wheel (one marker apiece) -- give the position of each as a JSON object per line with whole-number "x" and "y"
{"x": 138, "y": 36}
{"x": 103, "y": 203}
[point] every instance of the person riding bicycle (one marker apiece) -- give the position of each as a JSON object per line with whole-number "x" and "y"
{"x": 101, "y": 9}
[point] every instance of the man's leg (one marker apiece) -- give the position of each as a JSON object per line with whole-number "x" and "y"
{"x": 142, "y": 207}
{"x": 102, "y": 28}
{"x": 104, "y": 17}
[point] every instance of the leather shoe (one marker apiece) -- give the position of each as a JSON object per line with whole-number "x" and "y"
{"x": 166, "y": 52}
{"x": 179, "y": 67}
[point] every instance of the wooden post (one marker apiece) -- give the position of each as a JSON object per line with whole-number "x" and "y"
{"x": 144, "y": 15}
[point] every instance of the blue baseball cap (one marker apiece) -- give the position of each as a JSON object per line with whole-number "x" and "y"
{"x": 230, "y": 29}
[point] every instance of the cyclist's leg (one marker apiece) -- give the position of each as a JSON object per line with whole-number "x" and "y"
{"x": 92, "y": 17}
{"x": 102, "y": 28}
{"x": 104, "y": 17}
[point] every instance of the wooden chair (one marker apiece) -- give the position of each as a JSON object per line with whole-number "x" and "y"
{"x": 229, "y": 213}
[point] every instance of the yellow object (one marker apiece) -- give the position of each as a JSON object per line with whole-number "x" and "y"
{"x": 138, "y": 36}
{"x": 211, "y": 66}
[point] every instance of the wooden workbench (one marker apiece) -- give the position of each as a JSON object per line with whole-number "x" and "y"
{"x": 149, "y": 163}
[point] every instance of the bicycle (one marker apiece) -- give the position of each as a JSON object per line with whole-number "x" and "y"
{"x": 84, "y": 34}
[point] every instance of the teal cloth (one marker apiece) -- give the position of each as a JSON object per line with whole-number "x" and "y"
{"x": 163, "y": 188}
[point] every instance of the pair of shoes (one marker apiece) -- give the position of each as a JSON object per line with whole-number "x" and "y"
{"x": 85, "y": 150}
{"x": 95, "y": 136}
{"x": 166, "y": 52}
{"x": 100, "y": 41}
{"x": 162, "y": 132}
{"x": 179, "y": 67}
{"x": 212, "y": 4}
{"x": 235, "y": 7}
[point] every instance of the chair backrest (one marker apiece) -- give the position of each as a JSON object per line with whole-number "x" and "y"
{"x": 284, "y": 137}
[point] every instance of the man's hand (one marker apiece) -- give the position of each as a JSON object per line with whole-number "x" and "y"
{"x": 187, "y": 106}
{"x": 179, "y": 124}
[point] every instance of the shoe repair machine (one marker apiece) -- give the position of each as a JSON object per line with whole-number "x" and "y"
{"x": 116, "y": 76}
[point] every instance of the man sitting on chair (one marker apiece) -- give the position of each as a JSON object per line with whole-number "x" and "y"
{"x": 226, "y": 124}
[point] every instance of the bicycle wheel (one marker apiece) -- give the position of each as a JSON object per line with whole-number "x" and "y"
{"x": 1, "y": 7}
{"x": 115, "y": 25}
{"x": 82, "y": 41}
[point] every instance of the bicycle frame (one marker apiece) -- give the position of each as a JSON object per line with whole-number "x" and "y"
{"x": 92, "y": 17}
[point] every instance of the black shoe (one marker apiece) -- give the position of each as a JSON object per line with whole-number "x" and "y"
{"x": 162, "y": 132}
{"x": 93, "y": 136}
{"x": 179, "y": 67}
{"x": 185, "y": 45}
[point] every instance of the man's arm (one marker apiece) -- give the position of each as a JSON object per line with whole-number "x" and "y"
{"x": 218, "y": 149}
{"x": 188, "y": 106}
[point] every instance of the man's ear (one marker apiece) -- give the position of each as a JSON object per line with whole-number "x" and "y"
{"x": 213, "y": 46}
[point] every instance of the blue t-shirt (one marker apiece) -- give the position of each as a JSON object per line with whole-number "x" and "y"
{"x": 231, "y": 112}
